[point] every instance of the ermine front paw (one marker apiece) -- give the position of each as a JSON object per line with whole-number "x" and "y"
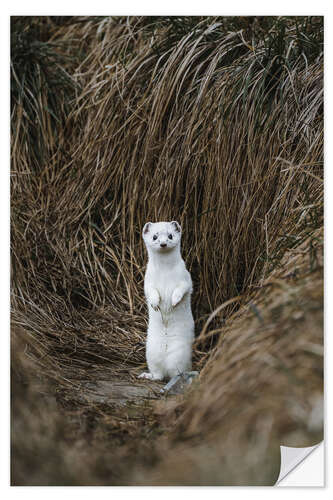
{"x": 154, "y": 300}
{"x": 176, "y": 297}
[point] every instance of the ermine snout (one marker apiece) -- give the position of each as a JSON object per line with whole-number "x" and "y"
{"x": 163, "y": 245}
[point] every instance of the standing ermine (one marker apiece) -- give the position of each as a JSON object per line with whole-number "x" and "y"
{"x": 168, "y": 288}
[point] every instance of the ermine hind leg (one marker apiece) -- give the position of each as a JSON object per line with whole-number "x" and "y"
{"x": 151, "y": 376}
{"x": 179, "y": 363}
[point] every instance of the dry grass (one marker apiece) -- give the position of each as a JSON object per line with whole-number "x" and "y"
{"x": 217, "y": 123}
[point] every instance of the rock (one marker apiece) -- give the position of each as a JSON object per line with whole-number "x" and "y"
{"x": 179, "y": 383}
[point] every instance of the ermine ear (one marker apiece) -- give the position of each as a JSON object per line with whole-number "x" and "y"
{"x": 176, "y": 226}
{"x": 146, "y": 228}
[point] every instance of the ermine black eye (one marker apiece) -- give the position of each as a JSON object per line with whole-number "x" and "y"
{"x": 170, "y": 236}
{"x": 155, "y": 237}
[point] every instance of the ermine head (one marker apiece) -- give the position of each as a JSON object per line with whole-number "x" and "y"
{"x": 162, "y": 236}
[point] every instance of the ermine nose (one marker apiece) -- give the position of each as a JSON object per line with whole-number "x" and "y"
{"x": 163, "y": 245}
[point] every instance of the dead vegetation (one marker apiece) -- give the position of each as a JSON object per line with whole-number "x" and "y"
{"x": 217, "y": 123}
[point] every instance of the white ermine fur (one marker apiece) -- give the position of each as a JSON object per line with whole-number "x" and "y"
{"x": 168, "y": 288}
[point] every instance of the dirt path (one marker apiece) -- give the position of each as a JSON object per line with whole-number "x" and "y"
{"x": 119, "y": 391}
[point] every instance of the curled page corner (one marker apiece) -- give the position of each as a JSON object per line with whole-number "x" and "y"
{"x": 291, "y": 457}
